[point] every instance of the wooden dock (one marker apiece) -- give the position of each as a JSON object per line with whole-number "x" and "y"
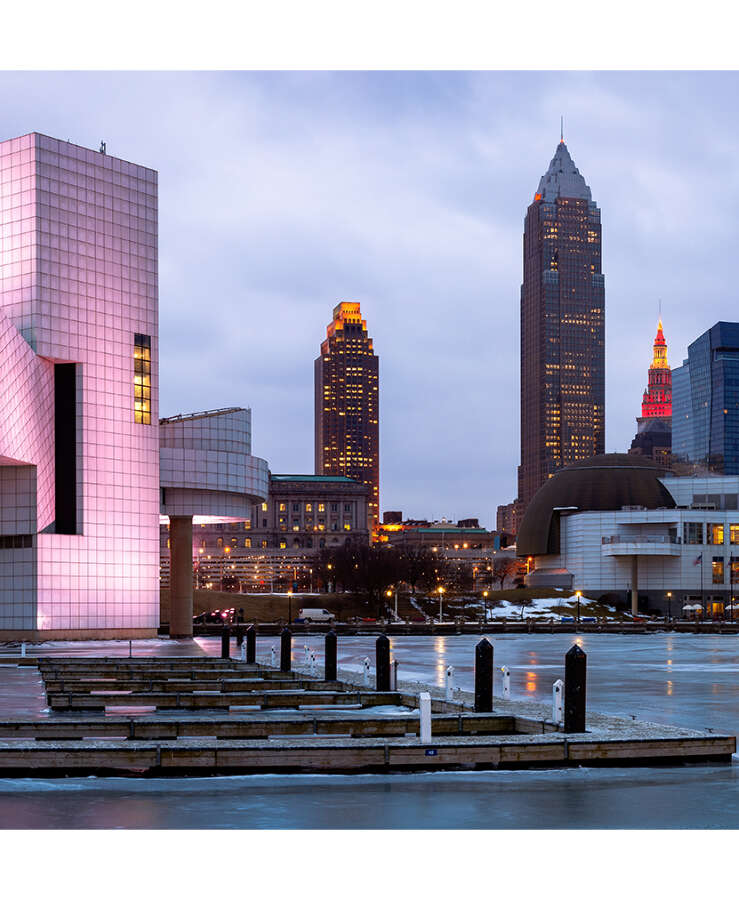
{"x": 163, "y": 716}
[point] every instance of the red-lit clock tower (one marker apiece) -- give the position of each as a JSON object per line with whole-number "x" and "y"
{"x": 654, "y": 434}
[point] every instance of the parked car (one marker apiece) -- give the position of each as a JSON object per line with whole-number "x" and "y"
{"x": 316, "y": 615}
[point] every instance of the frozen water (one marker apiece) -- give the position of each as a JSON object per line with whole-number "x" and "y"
{"x": 676, "y": 679}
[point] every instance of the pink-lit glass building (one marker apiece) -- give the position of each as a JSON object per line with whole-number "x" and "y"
{"x": 79, "y": 434}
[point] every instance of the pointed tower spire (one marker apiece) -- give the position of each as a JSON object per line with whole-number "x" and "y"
{"x": 561, "y": 129}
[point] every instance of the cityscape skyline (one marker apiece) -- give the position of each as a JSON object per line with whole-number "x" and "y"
{"x": 408, "y": 197}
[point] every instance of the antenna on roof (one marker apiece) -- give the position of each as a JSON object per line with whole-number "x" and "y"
{"x": 561, "y": 129}
{"x": 102, "y": 147}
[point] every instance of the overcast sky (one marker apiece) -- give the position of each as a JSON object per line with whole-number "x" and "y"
{"x": 281, "y": 194}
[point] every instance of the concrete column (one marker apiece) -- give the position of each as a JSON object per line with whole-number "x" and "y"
{"x": 180, "y": 576}
{"x": 634, "y": 585}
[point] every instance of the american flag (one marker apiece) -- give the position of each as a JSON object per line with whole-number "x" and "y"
{"x": 698, "y": 559}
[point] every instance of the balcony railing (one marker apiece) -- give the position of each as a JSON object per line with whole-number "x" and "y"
{"x": 640, "y": 539}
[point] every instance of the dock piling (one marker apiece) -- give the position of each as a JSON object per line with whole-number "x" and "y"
{"x": 251, "y": 645}
{"x": 382, "y": 663}
{"x": 557, "y": 691}
{"x": 286, "y": 647}
{"x": 313, "y": 662}
{"x": 366, "y": 670}
{"x": 506, "y": 682}
{"x": 450, "y": 682}
{"x": 575, "y": 671}
{"x": 273, "y": 657}
{"x": 330, "y": 657}
{"x": 484, "y": 676}
{"x": 424, "y": 707}
{"x": 394, "y": 675}
{"x": 226, "y": 643}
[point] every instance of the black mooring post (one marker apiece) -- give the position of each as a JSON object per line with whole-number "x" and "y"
{"x": 575, "y": 670}
{"x": 330, "y": 657}
{"x": 226, "y": 643}
{"x": 251, "y": 644}
{"x": 286, "y": 648}
{"x": 382, "y": 663}
{"x": 484, "y": 676}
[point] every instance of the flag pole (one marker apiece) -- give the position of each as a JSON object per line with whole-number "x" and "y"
{"x": 703, "y": 591}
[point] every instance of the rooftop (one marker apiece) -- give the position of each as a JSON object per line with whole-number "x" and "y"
{"x": 562, "y": 178}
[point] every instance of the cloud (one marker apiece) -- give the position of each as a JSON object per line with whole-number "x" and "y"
{"x": 283, "y": 193}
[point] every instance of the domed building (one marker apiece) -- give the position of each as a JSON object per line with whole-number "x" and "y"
{"x": 620, "y": 524}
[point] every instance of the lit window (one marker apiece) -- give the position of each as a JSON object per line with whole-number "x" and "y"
{"x": 142, "y": 379}
{"x": 321, "y": 507}
{"x": 264, "y": 507}
{"x": 715, "y": 534}
{"x": 247, "y": 525}
{"x": 247, "y": 543}
{"x": 717, "y": 569}
{"x": 734, "y": 534}
{"x": 283, "y": 507}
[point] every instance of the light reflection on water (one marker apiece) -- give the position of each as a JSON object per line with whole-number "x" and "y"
{"x": 677, "y": 679}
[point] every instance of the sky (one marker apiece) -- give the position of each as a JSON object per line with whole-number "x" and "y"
{"x": 283, "y": 193}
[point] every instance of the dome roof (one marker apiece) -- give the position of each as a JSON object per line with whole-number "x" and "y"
{"x": 607, "y": 482}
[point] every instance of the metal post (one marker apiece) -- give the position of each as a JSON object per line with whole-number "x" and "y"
{"x": 330, "y": 657}
{"x": 424, "y": 708}
{"x": 557, "y": 692}
{"x": 243, "y": 651}
{"x": 394, "y": 675}
{"x": 575, "y": 671}
{"x": 366, "y": 670}
{"x": 130, "y": 650}
{"x": 251, "y": 644}
{"x": 484, "y": 676}
{"x": 226, "y": 643}
{"x": 506, "y": 682}
{"x": 273, "y": 657}
{"x": 450, "y": 682}
{"x": 313, "y": 662}
{"x": 306, "y": 654}
{"x": 23, "y": 648}
{"x": 396, "y": 604}
{"x": 382, "y": 663}
{"x": 286, "y": 646}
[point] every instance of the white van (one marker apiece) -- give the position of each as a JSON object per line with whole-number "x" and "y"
{"x": 316, "y": 615}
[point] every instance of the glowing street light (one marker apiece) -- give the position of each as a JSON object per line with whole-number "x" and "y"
{"x": 441, "y": 597}
{"x": 578, "y": 594}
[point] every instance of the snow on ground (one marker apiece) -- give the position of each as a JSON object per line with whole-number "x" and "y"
{"x": 538, "y": 608}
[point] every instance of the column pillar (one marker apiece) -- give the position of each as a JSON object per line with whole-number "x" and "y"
{"x": 180, "y": 576}
{"x": 634, "y": 585}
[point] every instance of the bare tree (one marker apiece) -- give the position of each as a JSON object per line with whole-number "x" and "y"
{"x": 502, "y": 568}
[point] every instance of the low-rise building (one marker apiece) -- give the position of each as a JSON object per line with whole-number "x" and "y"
{"x": 621, "y": 528}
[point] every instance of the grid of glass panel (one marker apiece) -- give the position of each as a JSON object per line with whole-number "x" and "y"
{"x": 142, "y": 379}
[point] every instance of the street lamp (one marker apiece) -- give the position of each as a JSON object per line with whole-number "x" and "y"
{"x": 485, "y": 605}
{"x": 441, "y": 597}
{"x": 289, "y": 607}
{"x": 578, "y": 594}
{"x": 669, "y": 606}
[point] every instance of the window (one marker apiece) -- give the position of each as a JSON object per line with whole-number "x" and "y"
{"x": 714, "y": 534}
{"x": 734, "y": 571}
{"x": 219, "y": 542}
{"x": 334, "y": 507}
{"x": 264, "y": 545}
{"x": 283, "y": 507}
{"x": 734, "y": 534}
{"x": 296, "y": 507}
{"x": 309, "y": 507}
{"x": 247, "y": 543}
{"x": 692, "y": 532}
{"x": 347, "y": 526}
{"x": 247, "y": 525}
{"x": 347, "y": 507}
{"x": 283, "y": 545}
{"x": 321, "y": 507}
{"x": 264, "y": 507}
{"x": 142, "y": 379}
{"x": 717, "y": 569}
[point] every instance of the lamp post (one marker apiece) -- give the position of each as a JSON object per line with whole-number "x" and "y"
{"x": 669, "y": 606}
{"x": 226, "y": 551}
{"x": 485, "y": 605}
{"x": 578, "y": 594}
{"x": 289, "y": 607}
{"x": 388, "y": 593}
{"x": 329, "y": 567}
{"x": 441, "y": 597}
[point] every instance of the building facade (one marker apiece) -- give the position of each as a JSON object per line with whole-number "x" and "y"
{"x": 562, "y": 328}
{"x": 347, "y": 434}
{"x": 706, "y": 404}
{"x": 633, "y": 533}
{"x": 278, "y": 537}
{"x": 654, "y": 426}
{"x": 79, "y": 443}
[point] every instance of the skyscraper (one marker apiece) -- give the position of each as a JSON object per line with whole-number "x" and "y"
{"x": 654, "y": 426}
{"x": 706, "y": 406}
{"x": 79, "y": 439}
{"x": 562, "y": 328}
{"x": 347, "y": 404}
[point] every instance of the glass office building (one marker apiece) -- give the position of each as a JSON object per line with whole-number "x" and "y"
{"x": 706, "y": 401}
